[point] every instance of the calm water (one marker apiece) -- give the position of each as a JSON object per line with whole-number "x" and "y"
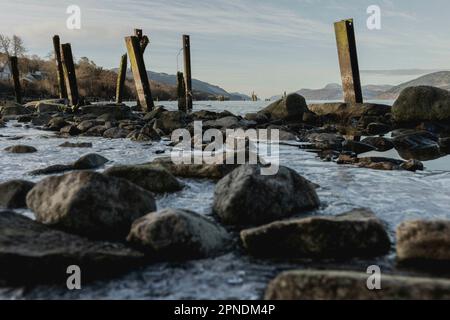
{"x": 393, "y": 196}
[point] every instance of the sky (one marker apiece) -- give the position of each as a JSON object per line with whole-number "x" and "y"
{"x": 246, "y": 45}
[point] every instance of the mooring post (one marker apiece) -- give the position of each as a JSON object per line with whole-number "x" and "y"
{"x": 121, "y": 76}
{"x": 59, "y": 68}
{"x": 15, "y": 73}
{"x": 181, "y": 92}
{"x": 143, "y": 40}
{"x": 348, "y": 61}
{"x": 69, "y": 74}
{"x": 139, "y": 73}
{"x": 187, "y": 70}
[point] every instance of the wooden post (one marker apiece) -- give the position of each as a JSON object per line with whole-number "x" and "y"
{"x": 69, "y": 74}
{"x": 187, "y": 70}
{"x": 181, "y": 92}
{"x": 15, "y": 73}
{"x": 139, "y": 73}
{"x": 143, "y": 40}
{"x": 59, "y": 68}
{"x": 348, "y": 61}
{"x": 121, "y": 76}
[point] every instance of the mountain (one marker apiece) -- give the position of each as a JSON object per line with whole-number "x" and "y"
{"x": 437, "y": 79}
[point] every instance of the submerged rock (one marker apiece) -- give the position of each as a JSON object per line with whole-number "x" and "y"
{"x": 76, "y": 145}
{"x": 246, "y": 197}
{"x": 90, "y": 204}
{"x": 90, "y": 161}
{"x": 158, "y": 180}
{"x": 424, "y": 244}
{"x": 347, "y": 285}
{"x": 422, "y": 103}
{"x": 178, "y": 234}
{"x": 290, "y": 108}
{"x": 21, "y": 149}
{"x": 13, "y": 193}
{"x": 358, "y": 233}
{"x": 32, "y": 253}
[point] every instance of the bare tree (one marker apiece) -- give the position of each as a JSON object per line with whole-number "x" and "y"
{"x": 5, "y": 44}
{"x": 12, "y": 46}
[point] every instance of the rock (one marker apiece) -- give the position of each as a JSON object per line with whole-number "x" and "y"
{"x": 76, "y": 145}
{"x": 358, "y": 233}
{"x": 424, "y": 244}
{"x": 56, "y": 124}
{"x": 90, "y": 161}
{"x": 13, "y": 193}
{"x": 290, "y": 108}
{"x": 49, "y": 107}
{"x": 96, "y": 131}
{"x": 348, "y": 114}
{"x": 444, "y": 144}
{"x": 158, "y": 180}
{"x": 24, "y": 118}
{"x": 347, "y": 285}
{"x": 356, "y": 147}
{"x": 117, "y": 111}
{"x": 380, "y": 143}
{"x": 155, "y": 113}
{"x": 70, "y": 130}
{"x": 422, "y": 103}
{"x": 171, "y": 120}
{"x": 375, "y": 128}
{"x": 178, "y": 234}
{"x": 257, "y": 117}
{"x": 325, "y": 141}
{"x": 21, "y": 149}
{"x": 90, "y": 204}
{"x": 41, "y": 119}
{"x": 31, "y": 253}
{"x": 412, "y": 165}
{"x": 376, "y": 163}
{"x": 116, "y": 133}
{"x": 420, "y": 145}
{"x": 14, "y": 109}
{"x": 246, "y": 197}
{"x": 86, "y": 125}
{"x": 230, "y": 122}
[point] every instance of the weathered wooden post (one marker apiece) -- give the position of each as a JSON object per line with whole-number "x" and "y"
{"x": 139, "y": 73}
{"x": 348, "y": 61}
{"x": 143, "y": 40}
{"x": 69, "y": 74}
{"x": 181, "y": 92}
{"x": 59, "y": 68}
{"x": 187, "y": 70}
{"x": 121, "y": 76}
{"x": 15, "y": 73}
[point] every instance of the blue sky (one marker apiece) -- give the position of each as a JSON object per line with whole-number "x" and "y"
{"x": 245, "y": 45}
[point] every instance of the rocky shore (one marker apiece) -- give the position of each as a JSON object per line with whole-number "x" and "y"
{"x": 108, "y": 222}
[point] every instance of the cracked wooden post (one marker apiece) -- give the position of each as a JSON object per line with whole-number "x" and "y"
{"x": 121, "y": 76}
{"x": 143, "y": 40}
{"x": 348, "y": 61}
{"x": 139, "y": 73}
{"x": 59, "y": 68}
{"x": 16, "y": 79}
{"x": 187, "y": 70}
{"x": 69, "y": 74}
{"x": 181, "y": 92}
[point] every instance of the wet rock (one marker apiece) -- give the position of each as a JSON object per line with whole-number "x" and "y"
{"x": 171, "y": 120}
{"x": 86, "y": 125}
{"x": 70, "y": 130}
{"x": 13, "y": 193}
{"x": 53, "y": 169}
{"x": 349, "y": 114}
{"x": 90, "y": 161}
{"x": 290, "y": 108}
{"x": 376, "y": 128}
{"x": 178, "y": 235}
{"x": 33, "y": 253}
{"x": 376, "y": 163}
{"x": 257, "y": 117}
{"x": 147, "y": 133}
{"x": 158, "y": 180}
{"x": 230, "y": 122}
{"x": 21, "y": 149}
{"x": 49, "y": 107}
{"x": 412, "y": 165}
{"x": 117, "y": 111}
{"x": 358, "y": 233}
{"x": 246, "y": 197}
{"x": 420, "y": 145}
{"x": 116, "y": 133}
{"x": 24, "y": 119}
{"x": 380, "y": 143}
{"x": 41, "y": 119}
{"x": 422, "y": 103}
{"x": 356, "y": 147}
{"x": 444, "y": 144}
{"x": 90, "y": 204}
{"x": 13, "y": 109}
{"x": 76, "y": 145}
{"x": 347, "y": 285}
{"x": 56, "y": 124}
{"x": 155, "y": 113}
{"x": 424, "y": 244}
{"x": 325, "y": 141}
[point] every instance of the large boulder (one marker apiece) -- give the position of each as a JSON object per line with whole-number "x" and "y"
{"x": 420, "y": 145}
{"x": 422, "y": 103}
{"x": 424, "y": 243}
{"x": 158, "y": 180}
{"x": 347, "y": 285}
{"x": 380, "y": 143}
{"x": 33, "y": 253}
{"x": 178, "y": 234}
{"x": 116, "y": 111}
{"x": 358, "y": 233}
{"x": 90, "y": 204}
{"x": 290, "y": 108}
{"x": 13, "y": 109}
{"x": 49, "y": 107}
{"x": 247, "y": 197}
{"x": 13, "y": 193}
{"x": 350, "y": 113}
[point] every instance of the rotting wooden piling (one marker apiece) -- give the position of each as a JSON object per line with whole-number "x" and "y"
{"x": 70, "y": 77}
{"x": 16, "y": 79}
{"x": 139, "y": 73}
{"x": 121, "y": 76}
{"x": 181, "y": 92}
{"x": 348, "y": 61}
{"x": 187, "y": 71}
{"x": 143, "y": 40}
{"x": 59, "y": 68}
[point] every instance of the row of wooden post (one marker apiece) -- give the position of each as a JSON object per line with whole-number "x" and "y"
{"x": 136, "y": 45}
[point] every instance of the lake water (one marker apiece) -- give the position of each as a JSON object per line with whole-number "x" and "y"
{"x": 394, "y": 196}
